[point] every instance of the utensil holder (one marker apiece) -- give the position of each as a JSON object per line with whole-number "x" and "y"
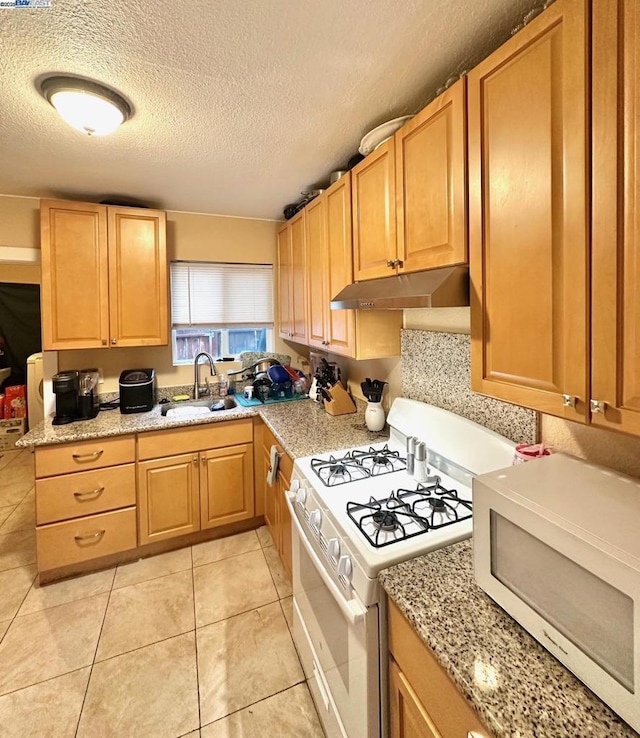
{"x": 374, "y": 416}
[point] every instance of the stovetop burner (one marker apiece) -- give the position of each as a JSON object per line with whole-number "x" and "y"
{"x": 407, "y": 513}
{"x": 385, "y": 520}
{"x": 356, "y": 465}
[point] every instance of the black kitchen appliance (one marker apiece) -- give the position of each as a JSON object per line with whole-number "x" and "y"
{"x": 65, "y": 388}
{"x": 138, "y": 390}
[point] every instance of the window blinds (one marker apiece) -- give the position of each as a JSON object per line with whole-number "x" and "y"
{"x": 205, "y": 293}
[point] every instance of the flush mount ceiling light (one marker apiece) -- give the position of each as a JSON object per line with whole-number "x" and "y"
{"x": 85, "y": 105}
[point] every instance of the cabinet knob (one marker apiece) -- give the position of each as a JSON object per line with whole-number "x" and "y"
{"x": 391, "y": 263}
{"x": 195, "y": 459}
{"x": 597, "y": 406}
{"x": 398, "y": 263}
{"x": 113, "y": 341}
{"x": 104, "y": 341}
{"x": 203, "y": 460}
{"x": 569, "y": 400}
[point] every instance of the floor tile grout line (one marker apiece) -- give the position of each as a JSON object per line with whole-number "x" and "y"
{"x": 195, "y": 640}
{"x": 93, "y": 661}
{"x": 26, "y": 594}
{"x": 44, "y": 681}
{"x": 253, "y": 704}
{"x": 152, "y": 579}
{"x": 235, "y": 615}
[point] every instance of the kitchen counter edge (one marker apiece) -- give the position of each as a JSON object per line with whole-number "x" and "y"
{"x": 517, "y": 687}
{"x": 303, "y": 428}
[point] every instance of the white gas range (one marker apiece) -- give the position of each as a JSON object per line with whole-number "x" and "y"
{"x": 356, "y": 512}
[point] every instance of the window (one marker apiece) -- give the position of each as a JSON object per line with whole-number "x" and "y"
{"x": 223, "y": 309}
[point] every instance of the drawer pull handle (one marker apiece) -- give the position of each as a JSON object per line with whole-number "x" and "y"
{"x": 90, "y": 495}
{"x": 91, "y": 536}
{"x": 88, "y": 457}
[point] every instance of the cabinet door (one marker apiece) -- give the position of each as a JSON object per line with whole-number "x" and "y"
{"x": 340, "y": 323}
{"x": 298, "y": 279}
{"x": 75, "y": 286}
{"x": 284, "y": 281}
{"x": 407, "y": 715}
{"x": 270, "y": 500}
{"x": 168, "y": 497}
{"x": 284, "y": 524}
{"x": 431, "y": 184}
{"x": 615, "y": 320}
{"x": 528, "y": 215}
{"x": 138, "y": 277}
{"x": 226, "y": 493}
{"x": 317, "y": 277}
{"x": 374, "y": 214}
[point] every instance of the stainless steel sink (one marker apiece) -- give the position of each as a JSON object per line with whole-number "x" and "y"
{"x": 198, "y": 407}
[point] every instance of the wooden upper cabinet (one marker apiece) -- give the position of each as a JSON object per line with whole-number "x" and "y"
{"x": 340, "y": 323}
{"x": 329, "y": 267}
{"x": 75, "y": 275}
{"x": 528, "y": 211}
{"x": 138, "y": 277}
{"x": 298, "y": 279}
{"x": 317, "y": 271}
{"x": 292, "y": 297}
{"x": 431, "y": 184}
{"x": 104, "y": 276}
{"x": 374, "y": 214}
{"x": 284, "y": 281}
{"x": 615, "y": 321}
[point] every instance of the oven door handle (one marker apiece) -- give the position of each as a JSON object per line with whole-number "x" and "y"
{"x": 352, "y": 609}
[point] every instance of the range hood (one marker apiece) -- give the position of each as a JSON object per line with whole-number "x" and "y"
{"x": 444, "y": 287}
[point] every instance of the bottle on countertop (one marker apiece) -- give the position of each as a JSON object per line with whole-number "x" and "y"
{"x": 411, "y": 450}
{"x": 420, "y": 470}
{"x": 223, "y": 385}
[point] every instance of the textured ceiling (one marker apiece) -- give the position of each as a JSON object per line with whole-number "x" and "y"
{"x": 238, "y": 105}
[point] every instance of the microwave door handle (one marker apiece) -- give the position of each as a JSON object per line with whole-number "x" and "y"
{"x": 353, "y": 610}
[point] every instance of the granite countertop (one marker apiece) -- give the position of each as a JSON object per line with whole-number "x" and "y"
{"x": 518, "y": 688}
{"x": 302, "y": 427}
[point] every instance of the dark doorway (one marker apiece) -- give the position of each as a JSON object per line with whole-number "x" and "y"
{"x": 19, "y": 327}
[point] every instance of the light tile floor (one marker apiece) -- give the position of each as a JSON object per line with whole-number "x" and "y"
{"x": 194, "y": 643}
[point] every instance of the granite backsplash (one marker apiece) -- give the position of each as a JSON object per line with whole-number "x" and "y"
{"x": 436, "y": 368}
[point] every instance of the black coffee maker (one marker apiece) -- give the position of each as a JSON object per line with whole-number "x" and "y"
{"x": 65, "y": 388}
{"x": 76, "y": 395}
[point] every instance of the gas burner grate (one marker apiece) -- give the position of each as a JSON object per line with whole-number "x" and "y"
{"x": 356, "y": 465}
{"x": 407, "y": 513}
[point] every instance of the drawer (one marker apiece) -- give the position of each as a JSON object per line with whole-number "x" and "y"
{"x": 85, "y": 493}
{"x": 84, "y": 455}
{"x": 158, "y": 444}
{"x": 74, "y": 541}
{"x": 446, "y": 706}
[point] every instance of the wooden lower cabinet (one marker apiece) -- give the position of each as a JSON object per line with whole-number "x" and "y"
{"x": 83, "y": 539}
{"x": 423, "y": 701}
{"x": 408, "y": 717}
{"x": 183, "y": 494}
{"x": 85, "y": 501}
{"x": 276, "y": 512}
{"x": 284, "y": 523}
{"x": 226, "y": 486}
{"x": 168, "y": 497}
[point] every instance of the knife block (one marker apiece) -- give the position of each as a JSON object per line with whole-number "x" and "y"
{"x": 341, "y": 402}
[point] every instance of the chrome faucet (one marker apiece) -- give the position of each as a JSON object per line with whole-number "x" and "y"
{"x": 196, "y": 383}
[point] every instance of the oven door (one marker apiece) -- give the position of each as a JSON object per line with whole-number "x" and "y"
{"x": 337, "y": 639}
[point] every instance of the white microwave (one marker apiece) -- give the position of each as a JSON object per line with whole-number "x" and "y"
{"x": 556, "y": 543}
